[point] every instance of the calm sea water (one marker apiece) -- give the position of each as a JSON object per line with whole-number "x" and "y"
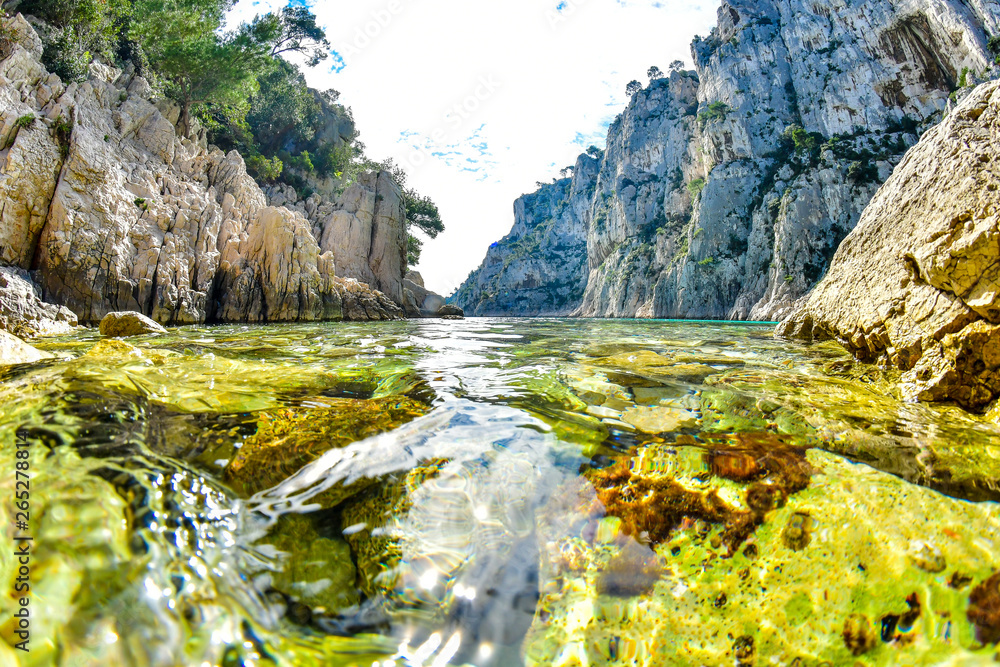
{"x": 492, "y": 492}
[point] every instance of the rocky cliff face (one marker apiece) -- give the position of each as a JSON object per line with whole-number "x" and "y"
{"x": 916, "y": 286}
{"x": 540, "y": 268}
{"x": 724, "y": 193}
{"x": 111, "y": 208}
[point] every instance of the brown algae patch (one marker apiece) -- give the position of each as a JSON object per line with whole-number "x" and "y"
{"x": 652, "y": 507}
{"x": 289, "y": 439}
{"x": 984, "y": 610}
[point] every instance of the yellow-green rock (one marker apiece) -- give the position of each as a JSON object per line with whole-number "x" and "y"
{"x": 289, "y": 439}
{"x": 848, "y": 590}
{"x": 315, "y": 570}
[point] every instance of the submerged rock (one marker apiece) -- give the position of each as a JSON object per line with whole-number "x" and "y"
{"x": 915, "y": 285}
{"x": 287, "y": 440}
{"x": 851, "y": 589}
{"x": 125, "y": 324}
{"x": 371, "y": 526}
{"x": 315, "y": 570}
{"x": 984, "y": 610}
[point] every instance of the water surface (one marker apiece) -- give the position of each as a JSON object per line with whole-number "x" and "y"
{"x": 494, "y": 492}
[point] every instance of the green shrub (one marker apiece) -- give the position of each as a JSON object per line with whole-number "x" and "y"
{"x": 64, "y": 131}
{"x": 264, "y": 169}
{"x": 25, "y": 121}
{"x": 707, "y": 261}
{"x": 994, "y": 45}
{"x": 963, "y": 77}
{"x": 789, "y": 279}
{"x": 695, "y": 187}
{"x": 862, "y": 172}
{"x": 715, "y": 111}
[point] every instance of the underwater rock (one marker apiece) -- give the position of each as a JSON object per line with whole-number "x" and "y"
{"x": 852, "y": 410}
{"x": 124, "y": 324}
{"x": 855, "y": 572}
{"x": 927, "y": 556}
{"x": 368, "y": 522}
{"x": 644, "y": 363}
{"x": 13, "y": 350}
{"x": 633, "y": 571}
{"x": 80, "y": 554}
{"x": 652, "y": 506}
{"x": 859, "y": 635}
{"x": 315, "y": 570}
{"x": 289, "y": 439}
{"x": 984, "y": 610}
{"x": 659, "y": 419}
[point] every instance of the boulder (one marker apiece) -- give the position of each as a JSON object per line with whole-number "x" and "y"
{"x": 449, "y": 310}
{"x": 13, "y": 350}
{"x": 121, "y": 325}
{"x": 414, "y": 277}
{"x": 419, "y": 301}
{"x": 916, "y": 286}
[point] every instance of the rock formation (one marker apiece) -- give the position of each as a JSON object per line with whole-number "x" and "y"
{"x": 724, "y": 192}
{"x": 540, "y": 268}
{"x": 916, "y": 285}
{"x": 22, "y": 311}
{"x": 112, "y": 208}
{"x": 418, "y": 301}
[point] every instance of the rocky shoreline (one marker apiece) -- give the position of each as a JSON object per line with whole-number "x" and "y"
{"x": 109, "y": 206}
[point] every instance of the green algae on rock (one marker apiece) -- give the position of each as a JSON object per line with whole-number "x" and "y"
{"x": 316, "y": 570}
{"x": 854, "y": 566}
{"x": 287, "y": 440}
{"x": 370, "y": 523}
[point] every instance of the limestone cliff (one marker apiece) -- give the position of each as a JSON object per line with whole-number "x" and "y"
{"x": 540, "y": 268}
{"x": 724, "y": 192}
{"x": 112, "y": 208}
{"x": 916, "y": 285}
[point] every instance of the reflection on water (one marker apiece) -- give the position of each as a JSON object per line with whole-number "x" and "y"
{"x": 495, "y": 492}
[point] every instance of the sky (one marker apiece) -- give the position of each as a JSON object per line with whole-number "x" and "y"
{"x": 480, "y": 99}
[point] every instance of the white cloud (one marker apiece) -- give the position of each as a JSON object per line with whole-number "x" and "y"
{"x": 479, "y": 99}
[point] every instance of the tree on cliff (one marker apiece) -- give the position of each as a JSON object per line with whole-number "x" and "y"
{"x": 292, "y": 30}
{"x": 198, "y": 64}
{"x": 632, "y": 88}
{"x": 654, "y": 73}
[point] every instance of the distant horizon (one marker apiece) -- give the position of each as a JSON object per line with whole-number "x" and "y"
{"x": 491, "y": 121}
